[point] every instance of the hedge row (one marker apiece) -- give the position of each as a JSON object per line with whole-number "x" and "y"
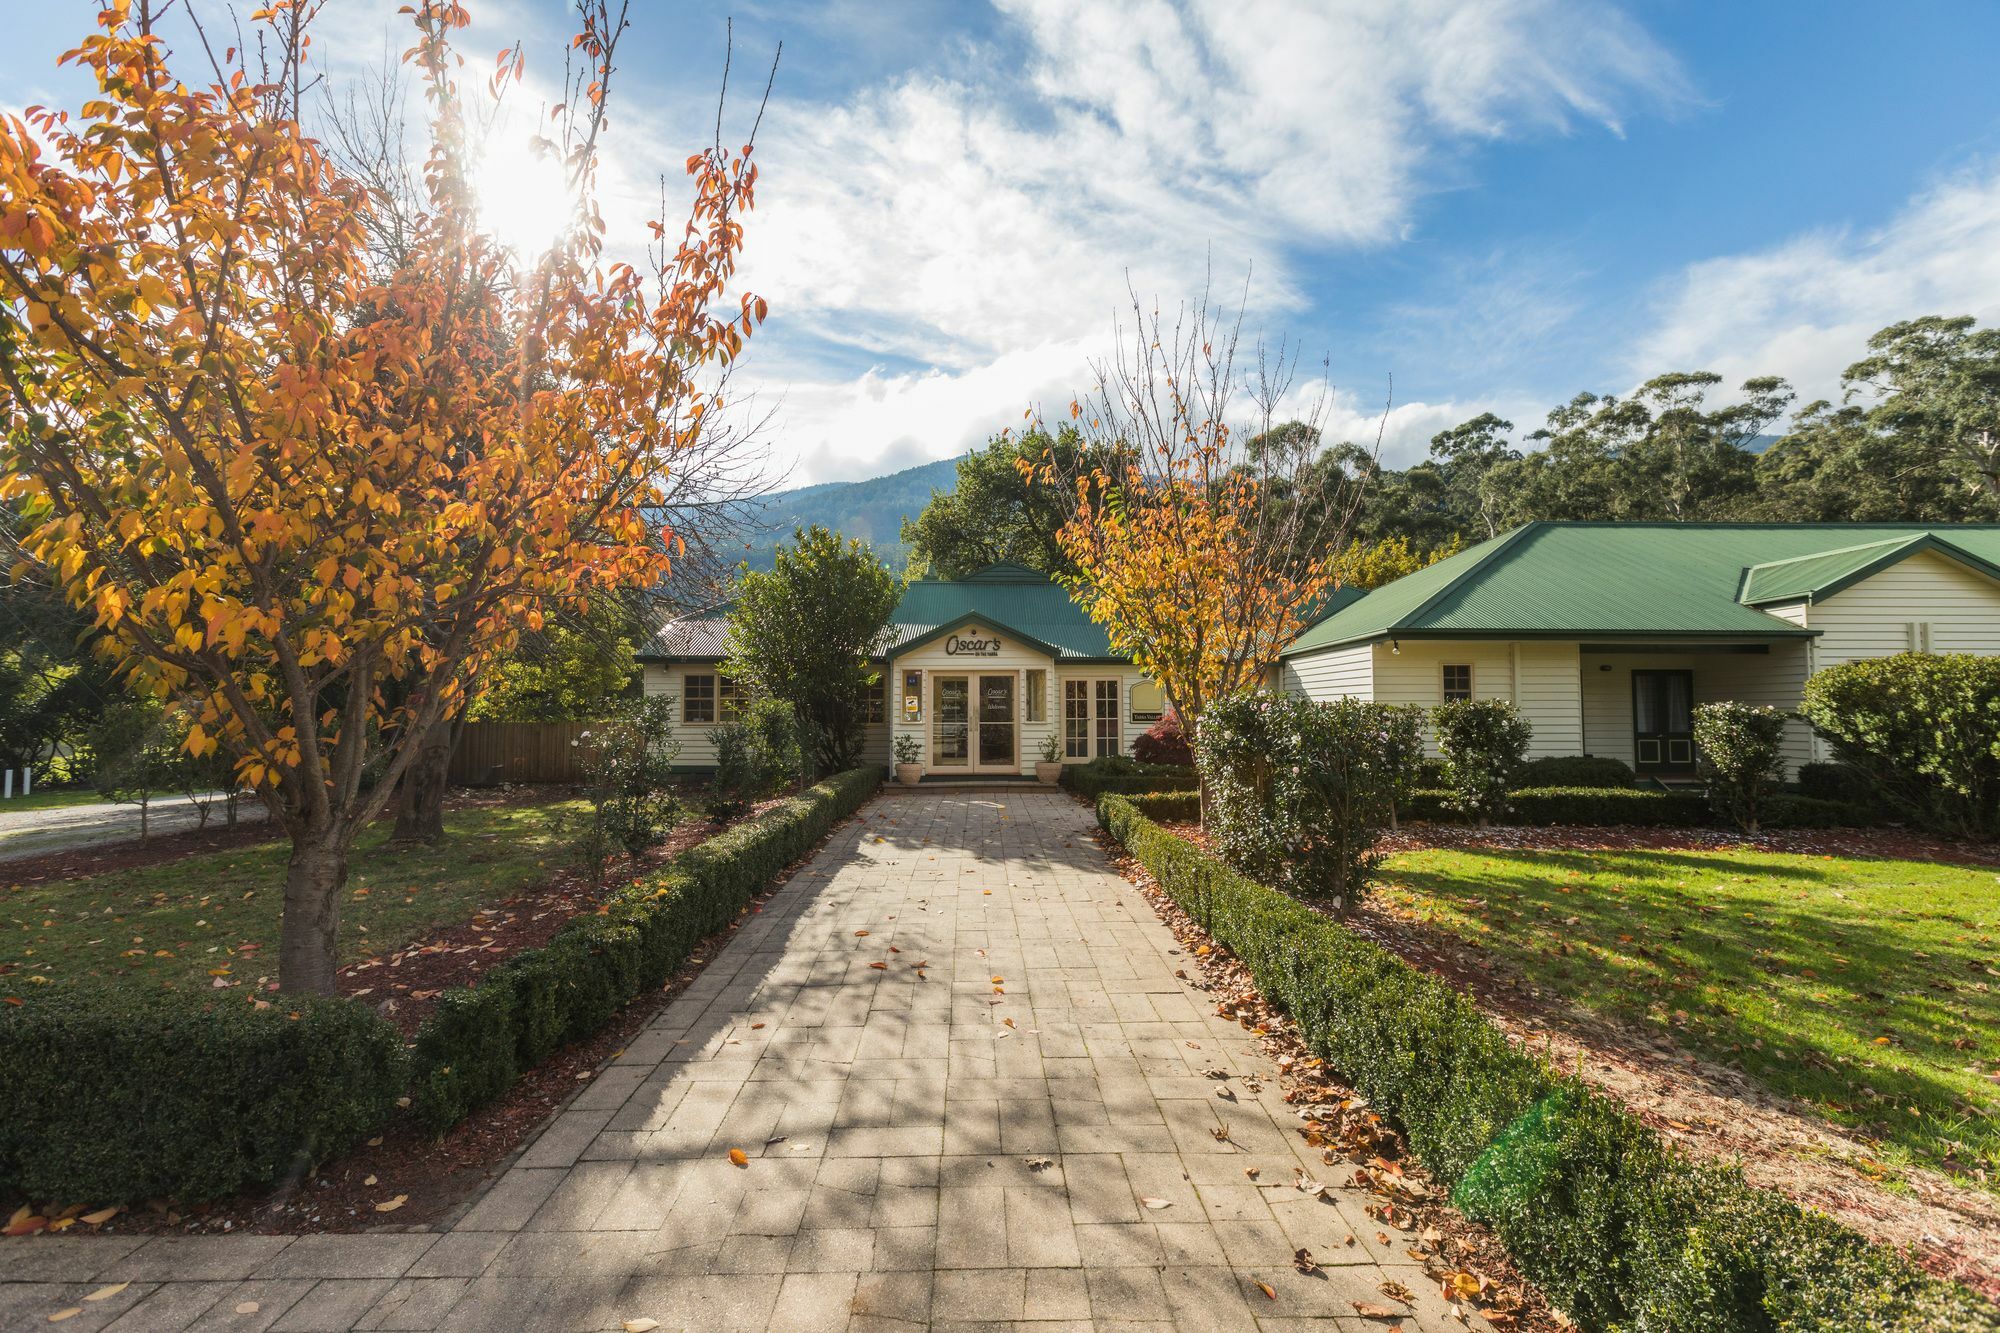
{"x": 112, "y": 1097}
{"x": 1621, "y": 1230}
{"x": 1171, "y": 807}
{"x": 1126, "y": 777}
{"x": 479, "y": 1038}
{"x": 1541, "y": 807}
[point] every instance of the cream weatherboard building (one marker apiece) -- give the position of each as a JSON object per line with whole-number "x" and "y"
{"x": 1606, "y": 635}
{"x": 981, "y": 671}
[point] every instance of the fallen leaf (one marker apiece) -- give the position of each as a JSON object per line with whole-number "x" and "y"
{"x": 106, "y": 1293}
{"x": 1270, "y": 1292}
{"x": 755, "y": 1026}
{"x": 883, "y": 967}
{"x": 391, "y": 1205}
{"x": 369, "y": 1181}
{"x": 1302, "y": 1259}
{"x": 640, "y": 1325}
{"x": 101, "y": 1216}
{"x": 248, "y": 1307}
{"x": 738, "y": 1157}
{"x": 71, "y": 1313}
{"x": 1370, "y": 1310}
{"x": 859, "y": 933}
{"x": 1152, "y": 1202}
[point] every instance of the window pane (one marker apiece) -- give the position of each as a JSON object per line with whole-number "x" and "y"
{"x": 951, "y": 742}
{"x": 1076, "y": 719}
{"x": 1107, "y": 718}
{"x": 698, "y": 699}
{"x": 731, "y": 700}
{"x": 1457, "y": 681}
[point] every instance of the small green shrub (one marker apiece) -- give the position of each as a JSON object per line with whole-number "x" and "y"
{"x": 1620, "y": 1230}
{"x": 628, "y": 757}
{"x": 1485, "y": 744}
{"x": 1399, "y": 755}
{"x": 1298, "y": 790}
{"x": 1924, "y": 728}
{"x": 1741, "y": 748}
{"x": 1838, "y": 782}
{"x": 1576, "y": 770}
{"x": 113, "y": 1097}
{"x": 570, "y": 988}
{"x": 1785, "y": 811}
{"x": 757, "y": 756}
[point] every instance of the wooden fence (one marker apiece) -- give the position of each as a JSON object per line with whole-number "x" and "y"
{"x": 494, "y": 752}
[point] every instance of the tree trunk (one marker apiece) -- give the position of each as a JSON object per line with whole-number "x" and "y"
{"x": 420, "y": 804}
{"x": 313, "y": 879}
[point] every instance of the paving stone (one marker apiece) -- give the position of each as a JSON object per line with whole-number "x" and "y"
{"x": 386, "y": 1255}
{"x": 333, "y": 1305}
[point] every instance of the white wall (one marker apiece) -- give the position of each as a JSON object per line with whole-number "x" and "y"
{"x": 1538, "y": 677}
{"x": 1873, "y": 618}
{"x": 1337, "y": 673}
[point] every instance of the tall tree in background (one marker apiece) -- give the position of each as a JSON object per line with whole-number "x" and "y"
{"x": 280, "y": 480}
{"x": 804, "y": 632}
{"x": 997, "y": 512}
{"x": 1200, "y": 556}
{"x": 1938, "y": 382}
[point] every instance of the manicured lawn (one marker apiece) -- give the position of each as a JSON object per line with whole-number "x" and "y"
{"x": 184, "y": 923}
{"x": 53, "y": 799}
{"x": 1865, "y": 988}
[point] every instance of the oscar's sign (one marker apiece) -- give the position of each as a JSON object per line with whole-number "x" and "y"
{"x": 959, "y": 646}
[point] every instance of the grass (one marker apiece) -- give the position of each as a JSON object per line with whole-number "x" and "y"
{"x": 184, "y": 923}
{"x": 56, "y": 798}
{"x": 1869, "y": 989}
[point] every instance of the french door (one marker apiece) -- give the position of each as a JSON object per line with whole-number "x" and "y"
{"x": 1091, "y": 724}
{"x": 975, "y": 723}
{"x": 1663, "y": 721}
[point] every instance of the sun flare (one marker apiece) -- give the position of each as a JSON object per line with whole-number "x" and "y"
{"x": 524, "y": 200}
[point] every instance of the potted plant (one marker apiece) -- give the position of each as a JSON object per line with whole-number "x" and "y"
{"x": 1048, "y": 769}
{"x": 909, "y": 760}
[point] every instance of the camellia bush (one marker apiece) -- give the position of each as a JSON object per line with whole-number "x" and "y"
{"x": 1742, "y": 754}
{"x": 1925, "y": 727}
{"x": 1485, "y": 744}
{"x": 1401, "y": 758}
{"x": 1298, "y": 790}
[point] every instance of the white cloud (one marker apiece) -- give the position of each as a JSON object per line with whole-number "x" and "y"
{"x": 1806, "y": 308}
{"x": 973, "y": 227}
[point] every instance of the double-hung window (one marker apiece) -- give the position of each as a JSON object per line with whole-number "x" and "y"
{"x": 1457, "y": 681}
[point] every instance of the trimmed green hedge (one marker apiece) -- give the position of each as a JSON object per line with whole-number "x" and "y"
{"x": 113, "y": 1097}
{"x": 469, "y": 1050}
{"x": 1177, "y": 807}
{"x": 1576, "y": 770}
{"x": 1126, "y": 777}
{"x": 1621, "y": 1230}
{"x": 1543, "y": 807}
{"x": 1540, "y": 807}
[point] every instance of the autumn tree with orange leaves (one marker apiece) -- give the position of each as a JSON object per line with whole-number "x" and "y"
{"x": 305, "y": 498}
{"x": 1205, "y": 531}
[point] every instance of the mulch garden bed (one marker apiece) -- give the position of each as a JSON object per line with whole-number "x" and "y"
{"x": 433, "y": 1176}
{"x": 1364, "y": 1153}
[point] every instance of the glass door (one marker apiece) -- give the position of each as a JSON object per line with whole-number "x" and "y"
{"x": 1663, "y": 721}
{"x": 996, "y": 723}
{"x": 951, "y": 719}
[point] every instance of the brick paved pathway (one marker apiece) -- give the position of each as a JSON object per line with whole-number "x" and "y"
{"x": 1023, "y": 1133}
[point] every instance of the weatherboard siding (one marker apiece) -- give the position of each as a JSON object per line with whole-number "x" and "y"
{"x": 697, "y": 740}
{"x": 1539, "y": 677}
{"x": 1773, "y": 680}
{"x": 1873, "y": 618}
{"x": 1338, "y": 673}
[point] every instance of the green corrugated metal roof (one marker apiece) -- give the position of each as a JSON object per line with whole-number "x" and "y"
{"x": 1621, "y": 579}
{"x": 1007, "y": 597}
{"x": 1825, "y": 573}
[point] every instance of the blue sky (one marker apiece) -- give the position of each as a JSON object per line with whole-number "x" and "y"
{"x": 1497, "y": 204}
